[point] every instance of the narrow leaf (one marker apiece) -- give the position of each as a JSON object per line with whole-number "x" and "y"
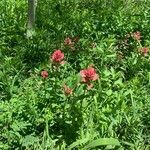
{"x": 102, "y": 142}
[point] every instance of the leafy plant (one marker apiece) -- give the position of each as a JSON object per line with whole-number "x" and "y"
{"x": 81, "y": 82}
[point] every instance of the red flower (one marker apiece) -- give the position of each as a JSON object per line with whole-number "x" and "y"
{"x": 68, "y": 41}
{"x": 137, "y": 35}
{"x": 57, "y": 56}
{"x": 67, "y": 90}
{"x": 44, "y": 74}
{"x": 144, "y": 51}
{"x": 89, "y": 74}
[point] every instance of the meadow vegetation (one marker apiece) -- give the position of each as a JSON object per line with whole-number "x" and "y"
{"x": 82, "y": 81}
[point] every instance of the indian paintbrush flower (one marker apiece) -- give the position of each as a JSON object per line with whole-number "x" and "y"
{"x": 44, "y": 74}
{"x": 88, "y": 75}
{"x": 137, "y": 35}
{"x": 67, "y": 90}
{"x": 57, "y": 56}
{"x": 144, "y": 51}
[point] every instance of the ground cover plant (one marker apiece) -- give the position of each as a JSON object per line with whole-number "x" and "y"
{"x": 81, "y": 81}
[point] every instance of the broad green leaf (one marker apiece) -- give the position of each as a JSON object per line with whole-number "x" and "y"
{"x": 77, "y": 143}
{"x": 29, "y": 140}
{"x": 102, "y": 142}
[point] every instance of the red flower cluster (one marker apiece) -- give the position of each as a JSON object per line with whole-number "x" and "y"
{"x": 137, "y": 35}
{"x": 58, "y": 56}
{"x": 144, "y": 51}
{"x": 67, "y": 90}
{"x": 44, "y": 74}
{"x": 89, "y": 75}
{"x": 71, "y": 42}
{"x": 68, "y": 41}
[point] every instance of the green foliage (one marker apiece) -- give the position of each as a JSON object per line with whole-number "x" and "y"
{"x": 104, "y": 141}
{"x": 37, "y": 113}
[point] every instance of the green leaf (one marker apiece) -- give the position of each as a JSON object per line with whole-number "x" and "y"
{"x": 77, "y": 143}
{"x": 102, "y": 142}
{"x": 128, "y": 143}
{"x": 118, "y": 82}
{"x": 29, "y": 140}
{"x": 79, "y": 90}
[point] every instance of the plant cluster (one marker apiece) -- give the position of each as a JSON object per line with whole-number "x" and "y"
{"x": 82, "y": 81}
